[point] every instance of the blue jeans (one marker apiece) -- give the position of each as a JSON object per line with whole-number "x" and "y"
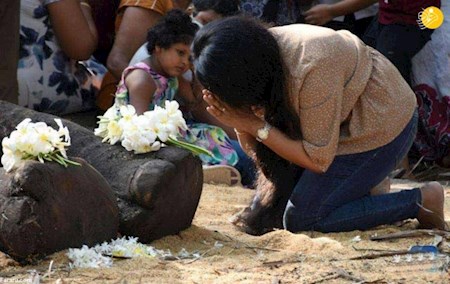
{"x": 245, "y": 166}
{"x": 339, "y": 199}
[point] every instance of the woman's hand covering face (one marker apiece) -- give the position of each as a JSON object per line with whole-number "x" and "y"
{"x": 236, "y": 118}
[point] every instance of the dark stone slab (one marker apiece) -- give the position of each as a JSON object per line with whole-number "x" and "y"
{"x": 46, "y": 208}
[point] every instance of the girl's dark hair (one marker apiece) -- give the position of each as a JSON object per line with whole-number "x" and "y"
{"x": 224, "y": 8}
{"x": 239, "y": 60}
{"x": 175, "y": 27}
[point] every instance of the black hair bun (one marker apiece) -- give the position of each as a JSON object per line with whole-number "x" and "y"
{"x": 177, "y": 20}
{"x": 176, "y": 26}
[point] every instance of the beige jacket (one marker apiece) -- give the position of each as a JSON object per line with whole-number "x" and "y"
{"x": 349, "y": 97}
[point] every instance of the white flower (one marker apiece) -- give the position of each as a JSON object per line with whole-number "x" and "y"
{"x": 114, "y": 132}
{"x": 102, "y": 129}
{"x": 396, "y": 258}
{"x": 420, "y": 257}
{"x": 112, "y": 114}
{"x": 63, "y": 131}
{"x": 175, "y": 115}
{"x": 35, "y": 141}
{"x": 45, "y": 139}
{"x": 88, "y": 258}
{"x": 408, "y": 258}
{"x": 22, "y": 127}
{"x": 171, "y": 106}
{"x": 11, "y": 160}
{"x": 356, "y": 239}
{"x": 162, "y": 126}
{"x": 141, "y": 133}
{"x": 127, "y": 112}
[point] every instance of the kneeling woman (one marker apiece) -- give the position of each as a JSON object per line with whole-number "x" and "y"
{"x": 326, "y": 102}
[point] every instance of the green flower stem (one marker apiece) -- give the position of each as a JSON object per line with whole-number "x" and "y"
{"x": 60, "y": 159}
{"x": 67, "y": 161}
{"x": 196, "y": 150}
{"x": 52, "y": 157}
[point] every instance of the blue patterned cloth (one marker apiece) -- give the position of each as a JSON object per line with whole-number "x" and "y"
{"x": 288, "y": 11}
{"x": 49, "y": 81}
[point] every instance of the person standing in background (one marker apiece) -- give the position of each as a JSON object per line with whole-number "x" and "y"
{"x": 9, "y": 49}
{"x": 356, "y": 22}
{"x": 397, "y": 36}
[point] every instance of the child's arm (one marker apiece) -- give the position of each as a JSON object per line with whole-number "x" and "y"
{"x": 186, "y": 93}
{"x": 141, "y": 88}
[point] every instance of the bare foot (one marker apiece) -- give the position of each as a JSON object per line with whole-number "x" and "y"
{"x": 431, "y": 213}
{"x": 383, "y": 187}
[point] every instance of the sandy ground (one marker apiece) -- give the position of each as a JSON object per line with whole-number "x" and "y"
{"x": 276, "y": 257}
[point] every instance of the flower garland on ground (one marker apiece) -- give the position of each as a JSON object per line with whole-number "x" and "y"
{"x": 36, "y": 141}
{"x": 101, "y": 255}
{"x": 146, "y": 132}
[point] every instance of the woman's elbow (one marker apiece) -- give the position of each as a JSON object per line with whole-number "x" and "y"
{"x": 311, "y": 166}
{"x": 85, "y": 55}
{"x": 82, "y": 51}
{"x": 317, "y": 170}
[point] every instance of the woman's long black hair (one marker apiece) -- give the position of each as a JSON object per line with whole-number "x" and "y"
{"x": 239, "y": 60}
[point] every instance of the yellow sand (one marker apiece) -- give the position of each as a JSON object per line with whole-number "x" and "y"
{"x": 276, "y": 257}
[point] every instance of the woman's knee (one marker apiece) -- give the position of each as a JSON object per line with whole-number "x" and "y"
{"x": 294, "y": 220}
{"x": 288, "y": 217}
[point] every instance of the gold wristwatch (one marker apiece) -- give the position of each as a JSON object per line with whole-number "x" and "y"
{"x": 263, "y": 133}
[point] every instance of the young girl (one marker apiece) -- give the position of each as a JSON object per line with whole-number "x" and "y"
{"x": 158, "y": 78}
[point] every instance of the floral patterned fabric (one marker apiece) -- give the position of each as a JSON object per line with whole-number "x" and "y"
{"x": 207, "y": 136}
{"x": 433, "y": 135}
{"x": 288, "y": 11}
{"x": 49, "y": 81}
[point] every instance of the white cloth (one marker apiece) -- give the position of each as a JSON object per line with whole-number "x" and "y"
{"x": 139, "y": 55}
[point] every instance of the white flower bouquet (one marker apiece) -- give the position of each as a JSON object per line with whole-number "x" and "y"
{"x": 146, "y": 132}
{"x": 36, "y": 141}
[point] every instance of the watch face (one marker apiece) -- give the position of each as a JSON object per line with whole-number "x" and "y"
{"x": 263, "y": 134}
